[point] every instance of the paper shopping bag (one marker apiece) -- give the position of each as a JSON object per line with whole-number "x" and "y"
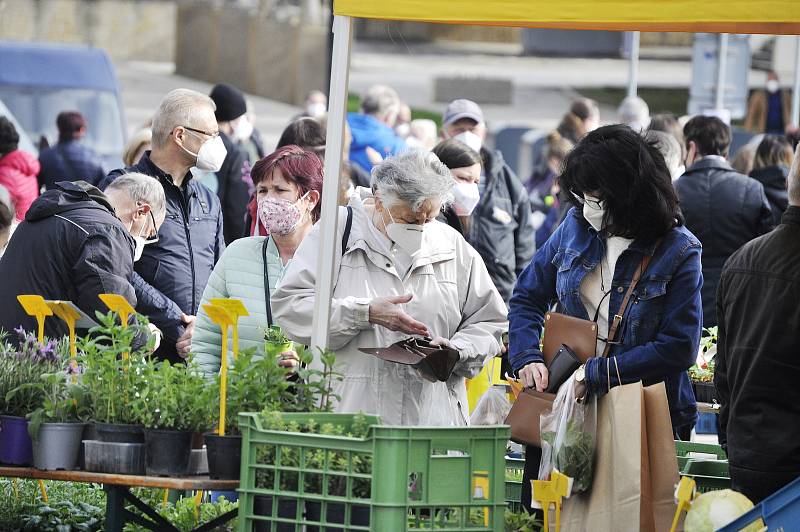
{"x": 662, "y": 458}
{"x": 635, "y": 465}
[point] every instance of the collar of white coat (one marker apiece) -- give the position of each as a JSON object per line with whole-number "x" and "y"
{"x": 438, "y": 240}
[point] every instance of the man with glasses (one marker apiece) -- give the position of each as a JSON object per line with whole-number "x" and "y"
{"x": 77, "y": 243}
{"x": 172, "y": 273}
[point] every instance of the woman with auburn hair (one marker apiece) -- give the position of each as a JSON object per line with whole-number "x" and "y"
{"x": 288, "y": 186}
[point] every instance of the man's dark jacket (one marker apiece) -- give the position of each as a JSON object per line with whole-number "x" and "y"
{"x": 758, "y": 353}
{"x": 173, "y": 272}
{"x": 70, "y": 161}
{"x": 725, "y": 210}
{"x": 71, "y": 247}
{"x": 233, "y": 192}
{"x": 501, "y": 229}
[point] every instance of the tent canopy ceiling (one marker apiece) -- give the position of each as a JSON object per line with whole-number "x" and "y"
{"x": 719, "y": 16}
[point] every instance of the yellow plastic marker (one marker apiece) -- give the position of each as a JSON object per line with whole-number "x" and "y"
{"x": 548, "y": 492}
{"x": 198, "y": 498}
{"x": 221, "y": 317}
{"x": 684, "y": 494}
{"x": 480, "y": 490}
{"x": 117, "y": 303}
{"x": 44, "y": 491}
{"x": 69, "y": 314}
{"x": 236, "y": 309}
{"x": 35, "y": 306}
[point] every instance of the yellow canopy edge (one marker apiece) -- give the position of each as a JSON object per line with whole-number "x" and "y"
{"x": 718, "y": 16}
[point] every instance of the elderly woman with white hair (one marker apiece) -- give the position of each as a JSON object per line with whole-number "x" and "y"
{"x": 401, "y": 274}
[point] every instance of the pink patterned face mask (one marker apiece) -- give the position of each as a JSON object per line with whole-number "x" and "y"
{"x": 280, "y": 216}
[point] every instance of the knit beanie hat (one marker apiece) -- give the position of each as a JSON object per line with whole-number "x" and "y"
{"x": 230, "y": 102}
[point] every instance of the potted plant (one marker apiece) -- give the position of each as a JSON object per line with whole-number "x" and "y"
{"x": 56, "y": 427}
{"x": 113, "y": 373}
{"x": 276, "y": 342}
{"x": 252, "y": 383}
{"x": 702, "y": 372}
{"x": 20, "y": 366}
{"x": 172, "y": 404}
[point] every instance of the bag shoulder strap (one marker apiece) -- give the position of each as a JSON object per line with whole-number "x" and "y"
{"x": 266, "y": 281}
{"x": 612, "y": 332}
{"x": 347, "y": 226}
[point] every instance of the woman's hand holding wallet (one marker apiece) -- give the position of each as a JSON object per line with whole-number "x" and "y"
{"x": 534, "y": 374}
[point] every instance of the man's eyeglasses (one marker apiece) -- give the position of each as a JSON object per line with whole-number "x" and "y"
{"x": 596, "y": 204}
{"x": 202, "y": 132}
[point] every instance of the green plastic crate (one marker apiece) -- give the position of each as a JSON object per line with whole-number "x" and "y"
{"x": 710, "y": 475}
{"x": 515, "y": 467}
{"x": 394, "y": 479}
{"x": 685, "y": 448}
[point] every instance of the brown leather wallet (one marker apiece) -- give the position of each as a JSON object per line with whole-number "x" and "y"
{"x": 435, "y": 363}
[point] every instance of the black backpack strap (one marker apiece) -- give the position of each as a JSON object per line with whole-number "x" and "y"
{"x": 347, "y": 226}
{"x": 266, "y": 282}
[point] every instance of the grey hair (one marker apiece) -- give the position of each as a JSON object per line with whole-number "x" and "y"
{"x": 412, "y": 177}
{"x": 794, "y": 179}
{"x": 669, "y": 147}
{"x": 381, "y": 102}
{"x": 634, "y": 112}
{"x": 178, "y": 108}
{"x": 141, "y": 188}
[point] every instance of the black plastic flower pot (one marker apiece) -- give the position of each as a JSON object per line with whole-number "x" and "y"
{"x": 57, "y": 446}
{"x": 119, "y": 433}
{"x": 224, "y": 456}
{"x": 704, "y": 392}
{"x": 167, "y": 452}
{"x": 334, "y": 514}
{"x": 110, "y": 457}
{"x": 287, "y": 509}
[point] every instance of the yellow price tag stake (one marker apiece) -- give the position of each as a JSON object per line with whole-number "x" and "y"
{"x": 37, "y": 307}
{"x": 221, "y": 317}
{"x": 236, "y": 309}
{"x": 67, "y": 312}
{"x": 547, "y": 492}
{"x": 117, "y": 303}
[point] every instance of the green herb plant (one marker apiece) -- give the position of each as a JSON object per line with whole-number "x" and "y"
{"x": 703, "y": 370}
{"x": 113, "y": 369}
{"x": 522, "y": 522}
{"x": 575, "y": 457}
{"x": 172, "y": 397}
{"x": 64, "y": 400}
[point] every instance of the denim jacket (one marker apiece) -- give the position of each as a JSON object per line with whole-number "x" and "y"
{"x": 660, "y": 333}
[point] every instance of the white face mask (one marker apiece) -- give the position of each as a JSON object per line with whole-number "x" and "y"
{"x": 773, "y": 85}
{"x": 467, "y": 196}
{"x": 141, "y": 241}
{"x": 243, "y": 129}
{"x": 211, "y": 155}
{"x": 316, "y": 110}
{"x": 594, "y": 214}
{"x": 407, "y": 236}
{"x": 403, "y": 130}
{"x": 470, "y": 139}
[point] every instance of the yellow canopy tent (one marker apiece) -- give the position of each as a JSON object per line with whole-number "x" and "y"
{"x": 716, "y": 16}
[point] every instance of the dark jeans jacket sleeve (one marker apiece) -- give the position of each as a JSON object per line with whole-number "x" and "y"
{"x": 533, "y": 295}
{"x": 161, "y": 310}
{"x": 673, "y": 349}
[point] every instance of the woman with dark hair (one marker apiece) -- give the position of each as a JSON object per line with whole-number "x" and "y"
{"x": 583, "y": 116}
{"x": 288, "y": 189}
{"x": 625, "y": 209}
{"x": 771, "y": 168}
{"x": 464, "y": 164}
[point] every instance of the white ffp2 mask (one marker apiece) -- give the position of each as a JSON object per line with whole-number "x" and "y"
{"x": 594, "y": 214}
{"x": 467, "y": 196}
{"x": 407, "y": 236}
{"x": 211, "y": 154}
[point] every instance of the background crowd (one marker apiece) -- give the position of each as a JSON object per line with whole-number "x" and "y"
{"x": 439, "y": 237}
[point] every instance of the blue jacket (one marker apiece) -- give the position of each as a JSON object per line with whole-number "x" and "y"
{"x": 660, "y": 332}
{"x": 171, "y": 275}
{"x": 369, "y": 132}
{"x": 70, "y": 161}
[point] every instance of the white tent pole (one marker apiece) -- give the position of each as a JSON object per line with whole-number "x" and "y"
{"x": 722, "y": 67}
{"x": 796, "y": 89}
{"x": 337, "y": 109}
{"x": 633, "y": 67}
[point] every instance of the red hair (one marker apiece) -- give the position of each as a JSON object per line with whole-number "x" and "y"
{"x": 301, "y": 167}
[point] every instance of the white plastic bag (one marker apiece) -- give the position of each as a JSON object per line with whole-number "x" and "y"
{"x": 492, "y": 408}
{"x": 569, "y": 437}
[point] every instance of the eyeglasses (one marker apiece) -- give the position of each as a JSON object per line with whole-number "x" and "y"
{"x": 211, "y": 134}
{"x": 596, "y": 204}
